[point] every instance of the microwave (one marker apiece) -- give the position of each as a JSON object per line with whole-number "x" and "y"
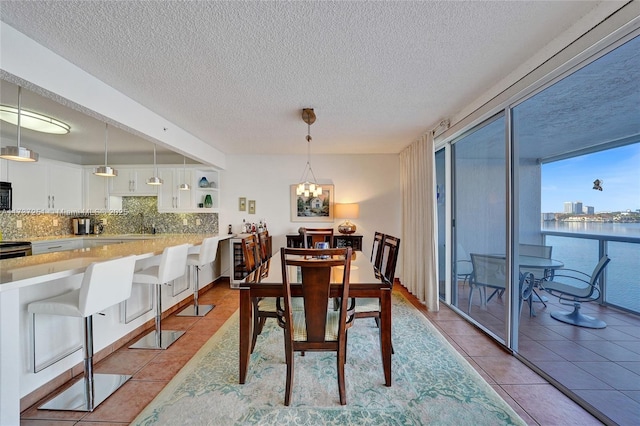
{"x": 6, "y": 196}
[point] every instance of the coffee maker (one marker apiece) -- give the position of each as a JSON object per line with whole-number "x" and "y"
{"x": 82, "y": 226}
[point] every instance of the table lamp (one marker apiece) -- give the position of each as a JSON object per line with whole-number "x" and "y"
{"x": 346, "y": 211}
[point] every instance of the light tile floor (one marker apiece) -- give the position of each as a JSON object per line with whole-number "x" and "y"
{"x": 536, "y": 401}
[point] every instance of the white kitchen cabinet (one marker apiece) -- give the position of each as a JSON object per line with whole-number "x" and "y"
{"x": 133, "y": 181}
{"x": 47, "y": 186}
{"x": 170, "y": 198}
{"x": 51, "y": 246}
{"x": 96, "y": 193}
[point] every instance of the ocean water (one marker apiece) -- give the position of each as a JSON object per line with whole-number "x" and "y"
{"x": 622, "y": 273}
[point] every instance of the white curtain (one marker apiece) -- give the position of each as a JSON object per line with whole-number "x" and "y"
{"x": 419, "y": 236}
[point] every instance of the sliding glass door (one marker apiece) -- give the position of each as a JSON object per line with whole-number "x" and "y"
{"x": 479, "y": 224}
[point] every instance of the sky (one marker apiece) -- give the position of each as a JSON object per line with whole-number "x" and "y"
{"x": 572, "y": 180}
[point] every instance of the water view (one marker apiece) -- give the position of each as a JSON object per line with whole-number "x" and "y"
{"x": 623, "y": 284}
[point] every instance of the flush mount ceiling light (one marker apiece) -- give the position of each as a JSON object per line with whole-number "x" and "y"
{"x": 18, "y": 153}
{"x": 105, "y": 170}
{"x": 306, "y": 187}
{"x": 155, "y": 180}
{"x": 33, "y": 120}
{"x": 184, "y": 186}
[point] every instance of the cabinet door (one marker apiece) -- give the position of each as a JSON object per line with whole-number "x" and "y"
{"x": 167, "y": 197}
{"x": 65, "y": 187}
{"x": 95, "y": 191}
{"x": 123, "y": 183}
{"x": 140, "y": 177}
{"x": 30, "y": 185}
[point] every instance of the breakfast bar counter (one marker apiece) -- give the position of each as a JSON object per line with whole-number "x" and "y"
{"x": 25, "y": 279}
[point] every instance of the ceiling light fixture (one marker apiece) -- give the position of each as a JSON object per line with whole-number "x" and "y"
{"x": 155, "y": 180}
{"x": 18, "y": 153}
{"x": 33, "y": 120}
{"x": 105, "y": 170}
{"x": 184, "y": 186}
{"x": 306, "y": 187}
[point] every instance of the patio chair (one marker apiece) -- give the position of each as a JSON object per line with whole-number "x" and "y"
{"x": 489, "y": 272}
{"x": 575, "y": 287}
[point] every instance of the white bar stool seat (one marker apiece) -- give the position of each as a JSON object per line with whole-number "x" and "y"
{"x": 104, "y": 284}
{"x": 199, "y": 256}
{"x": 171, "y": 265}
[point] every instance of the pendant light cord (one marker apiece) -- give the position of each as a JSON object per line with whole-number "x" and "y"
{"x": 19, "y": 114}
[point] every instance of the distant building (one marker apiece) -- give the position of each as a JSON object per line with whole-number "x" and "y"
{"x": 573, "y": 207}
{"x": 577, "y": 207}
{"x": 588, "y": 210}
{"x": 548, "y": 217}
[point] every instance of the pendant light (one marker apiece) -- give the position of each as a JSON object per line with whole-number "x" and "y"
{"x": 305, "y": 187}
{"x": 18, "y": 153}
{"x": 154, "y": 180}
{"x": 184, "y": 186}
{"x": 105, "y": 170}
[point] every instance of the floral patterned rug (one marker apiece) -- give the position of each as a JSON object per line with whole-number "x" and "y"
{"x": 432, "y": 383}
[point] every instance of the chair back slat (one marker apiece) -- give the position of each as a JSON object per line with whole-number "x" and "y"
{"x": 317, "y": 279}
{"x": 264, "y": 246}
{"x": 376, "y": 250}
{"x": 390, "y": 249}
{"x": 316, "y": 235}
{"x": 249, "y": 251}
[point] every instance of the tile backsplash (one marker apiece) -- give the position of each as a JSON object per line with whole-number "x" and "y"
{"x": 139, "y": 215}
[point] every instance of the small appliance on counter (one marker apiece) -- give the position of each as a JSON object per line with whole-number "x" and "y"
{"x": 82, "y": 226}
{"x": 6, "y": 196}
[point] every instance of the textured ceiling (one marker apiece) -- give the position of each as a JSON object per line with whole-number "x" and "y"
{"x": 237, "y": 74}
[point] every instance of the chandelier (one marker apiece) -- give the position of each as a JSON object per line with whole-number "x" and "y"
{"x": 306, "y": 187}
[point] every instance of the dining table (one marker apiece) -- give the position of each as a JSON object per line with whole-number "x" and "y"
{"x": 364, "y": 282}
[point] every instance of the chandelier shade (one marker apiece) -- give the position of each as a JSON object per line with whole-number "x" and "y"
{"x": 308, "y": 186}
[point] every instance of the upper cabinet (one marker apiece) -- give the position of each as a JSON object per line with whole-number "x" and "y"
{"x": 170, "y": 197}
{"x": 132, "y": 181}
{"x": 46, "y": 186}
{"x": 96, "y": 192}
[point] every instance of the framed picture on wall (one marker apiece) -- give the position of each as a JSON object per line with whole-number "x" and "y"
{"x": 312, "y": 209}
{"x": 252, "y": 206}
{"x": 242, "y": 204}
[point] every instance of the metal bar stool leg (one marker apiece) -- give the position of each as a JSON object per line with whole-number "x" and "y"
{"x": 158, "y": 339}
{"x": 88, "y": 393}
{"x": 196, "y": 310}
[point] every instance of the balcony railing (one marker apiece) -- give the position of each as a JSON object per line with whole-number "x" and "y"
{"x": 620, "y": 283}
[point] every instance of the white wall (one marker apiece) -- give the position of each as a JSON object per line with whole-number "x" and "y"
{"x": 373, "y": 181}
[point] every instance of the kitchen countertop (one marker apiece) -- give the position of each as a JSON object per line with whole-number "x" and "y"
{"x": 29, "y": 270}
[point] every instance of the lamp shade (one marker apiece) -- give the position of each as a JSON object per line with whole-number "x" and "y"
{"x": 346, "y": 211}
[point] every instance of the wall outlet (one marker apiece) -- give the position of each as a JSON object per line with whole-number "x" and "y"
{"x": 55, "y": 222}
{"x": 18, "y": 223}
{"x": 185, "y": 222}
{"x": 198, "y": 222}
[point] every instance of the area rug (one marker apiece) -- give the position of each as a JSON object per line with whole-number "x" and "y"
{"x": 432, "y": 383}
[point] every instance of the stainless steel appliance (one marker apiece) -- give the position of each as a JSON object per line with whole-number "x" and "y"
{"x": 9, "y": 249}
{"x": 6, "y": 196}
{"x": 82, "y": 226}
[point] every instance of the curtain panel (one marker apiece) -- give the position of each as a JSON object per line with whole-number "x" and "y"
{"x": 419, "y": 236}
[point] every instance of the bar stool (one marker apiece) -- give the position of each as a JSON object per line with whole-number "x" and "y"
{"x": 104, "y": 284}
{"x": 198, "y": 257}
{"x": 171, "y": 265}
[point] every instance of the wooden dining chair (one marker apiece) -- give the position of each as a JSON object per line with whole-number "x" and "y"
{"x": 316, "y": 235}
{"x": 376, "y": 250}
{"x": 317, "y": 327}
{"x": 370, "y": 307}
